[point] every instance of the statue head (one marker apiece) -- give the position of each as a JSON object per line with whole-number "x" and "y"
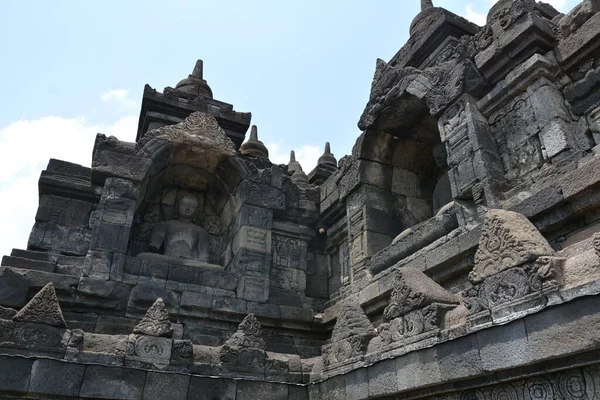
{"x": 187, "y": 206}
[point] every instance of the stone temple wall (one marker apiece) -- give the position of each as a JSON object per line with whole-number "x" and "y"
{"x": 455, "y": 254}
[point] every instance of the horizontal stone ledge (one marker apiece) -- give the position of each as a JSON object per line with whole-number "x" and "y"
{"x": 45, "y": 377}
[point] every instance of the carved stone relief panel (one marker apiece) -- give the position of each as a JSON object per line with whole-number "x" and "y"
{"x": 515, "y": 131}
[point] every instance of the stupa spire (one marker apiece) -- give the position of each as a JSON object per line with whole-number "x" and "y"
{"x": 254, "y": 133}
{"x": 327, "y": 159}
{"x": 253, "y": 146}
{"x": 198, "y": 69}
{"x": 426, "y": 4}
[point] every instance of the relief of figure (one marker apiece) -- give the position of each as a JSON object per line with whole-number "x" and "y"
{"x": 180, "y": 241}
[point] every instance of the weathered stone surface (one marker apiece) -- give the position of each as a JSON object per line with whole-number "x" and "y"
{"x": 16, "y": 372}
{"x": 414, "y": 290}
{"x": 112, "y": 383}
{"x": 166, "y": 386}
{"x": 50, "y": 377}
{"x": 431, "y": 163}
{"x": 507, "y": 240}
{"x": 248, "y": 390}
{"x": 43, "y": 308}
{"x": 13, "y": 291}
{"x": 156, "y": 321}
{"x": 210, "y": 388}
{"x": 142, "y": 297}
{"x": 350, "y": 337}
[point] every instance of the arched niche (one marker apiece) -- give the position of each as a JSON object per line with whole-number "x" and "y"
{"x": 405, "y": 145}
{"x": 193, "y": 159}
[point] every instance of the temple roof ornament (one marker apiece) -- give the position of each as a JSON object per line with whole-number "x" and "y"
{"x": 422, "y": 20}
{"x": 425, "y": 4}
{"x": 298, "y": 175}
{"x": 253, "y": 146}
{"x": 195, "y": 85}
{"x": 327, "y": 159}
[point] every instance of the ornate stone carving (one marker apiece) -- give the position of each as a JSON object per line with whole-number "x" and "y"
{"x": 471, "y": 299}
{"x": 38, "y": 336}
{"x": 6, "y": 330}
{"x": 506, "y": 12}
{"x": 506, "y": 286}
{"x": 199, "y": 129}
{"x": 245, "y": 348}
{"x": 548, "y": 271}
{"x": 43, "y": 308}
{"x": 350, "y": 337}
{"x": 156, "y": 321}
{"x": 148, "y": 349}
{"x": 570, "y": 384}
{"x": 388, "y": 84}
{"x": 414, "y": 290}
{"x": 596, "y": 243}
{"x": 183, "y": 352}
{"x": 507, "y": 240}
{"x": 289, "y": 252}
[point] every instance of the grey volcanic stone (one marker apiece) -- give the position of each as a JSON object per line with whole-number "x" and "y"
{"x": 166, "y": 386}
{"x": 15, "y": 373}
{"x": 13, "y": 291}
{"x": 212, "y": 389}
{"x": 56, "y": 378}
{"x": 250, "y": 390}
{"x": 113, "y": 383}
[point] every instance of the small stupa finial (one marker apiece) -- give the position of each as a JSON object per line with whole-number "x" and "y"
{"x": 198, "y": 69}
{"x": 254, "y": 133}
{"x": 425, "y": 4}
{"x": 292, "y": 156}
{"x": 253, "y": 146}
{"x": 327, "y": 159}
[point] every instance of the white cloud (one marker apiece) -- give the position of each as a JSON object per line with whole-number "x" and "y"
{"x": 307, "y": 155}
{"x": 119, "y": 96}
{"x": 25, "y": 148}
{"x": 474, "y": 16}
{"x": 480, "y": 18}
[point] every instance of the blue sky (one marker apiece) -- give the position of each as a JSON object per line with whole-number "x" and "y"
{"x": 74, "y": 68}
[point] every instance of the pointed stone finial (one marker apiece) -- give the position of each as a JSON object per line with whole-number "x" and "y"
{"x": 156, "y": 321}
{"x": 198, "y": 69}
{"x": 293, "y": 165}
{"x": 43, "y": 308}
{"x": 253, "y": 146}
{"x": 426, "y": 4}
{"x": 254, "y": 133}
{"x": 247, "y": 334}
{"x": 327, "y": 159}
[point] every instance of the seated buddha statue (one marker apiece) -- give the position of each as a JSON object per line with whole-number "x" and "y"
{"x": 180, "y": 241}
